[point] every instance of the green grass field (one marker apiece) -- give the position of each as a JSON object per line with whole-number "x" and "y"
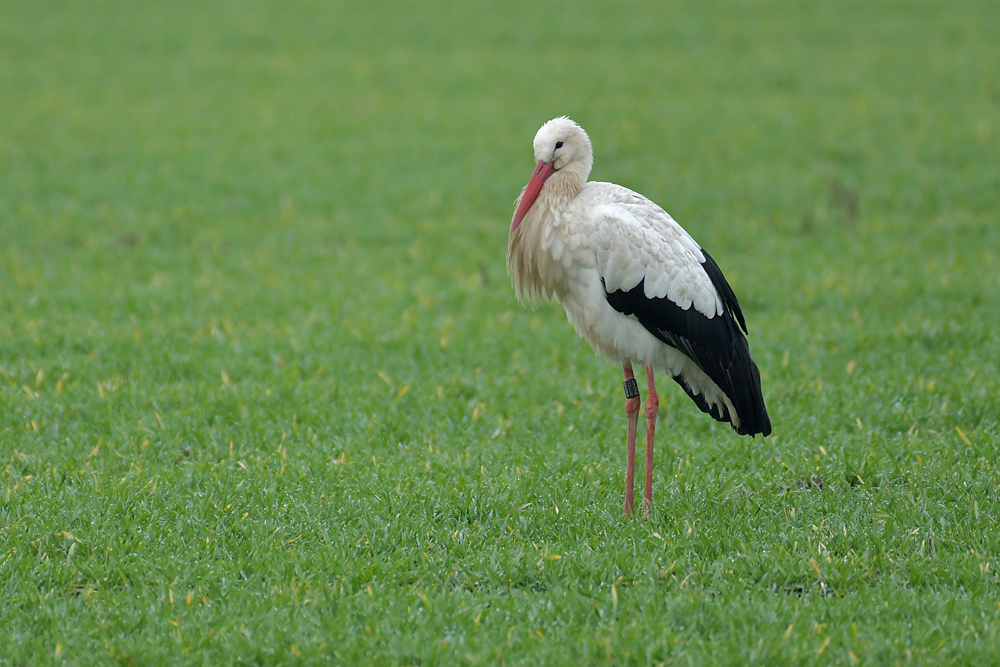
{"x": 267, "y": 397}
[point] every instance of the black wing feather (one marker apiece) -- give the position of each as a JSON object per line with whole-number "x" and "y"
{"x": 724, "y": 290}
{"x": 717, "y": 345}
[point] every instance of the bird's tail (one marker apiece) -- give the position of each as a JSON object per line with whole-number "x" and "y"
{"x": 751, "y": 410}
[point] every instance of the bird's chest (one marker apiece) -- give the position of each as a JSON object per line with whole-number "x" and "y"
{"x": 563, "y": 254}
{"x": 574, "y": 279}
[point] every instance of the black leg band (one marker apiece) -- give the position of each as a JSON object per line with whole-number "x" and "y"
{"x": 631, "y": 388}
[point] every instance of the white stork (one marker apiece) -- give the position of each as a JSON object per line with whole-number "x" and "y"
{"x": 635, "y": 285}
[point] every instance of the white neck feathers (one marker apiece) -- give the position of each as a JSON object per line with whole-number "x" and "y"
{"x": 530, "y": 262}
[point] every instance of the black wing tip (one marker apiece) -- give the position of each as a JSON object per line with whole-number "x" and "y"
{"x": 755, "y": 420}
{"x": 762, "y": 428}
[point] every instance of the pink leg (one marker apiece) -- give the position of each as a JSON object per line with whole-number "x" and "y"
{"x": 652, "y": 408}
{"x": 632, "y": 411}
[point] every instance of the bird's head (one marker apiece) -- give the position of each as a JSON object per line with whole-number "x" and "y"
{"x": 563, "y": 151}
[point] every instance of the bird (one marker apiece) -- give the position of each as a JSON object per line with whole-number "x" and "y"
{"x": 636, "y": 286}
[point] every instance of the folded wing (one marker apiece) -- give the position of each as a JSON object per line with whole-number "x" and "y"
{"x": 653, "y": 270}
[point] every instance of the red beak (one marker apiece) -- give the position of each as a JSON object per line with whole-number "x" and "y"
{"x": 531, "y": 191}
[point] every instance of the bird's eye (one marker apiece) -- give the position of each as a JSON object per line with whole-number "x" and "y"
{"x": 558, "y": 145}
